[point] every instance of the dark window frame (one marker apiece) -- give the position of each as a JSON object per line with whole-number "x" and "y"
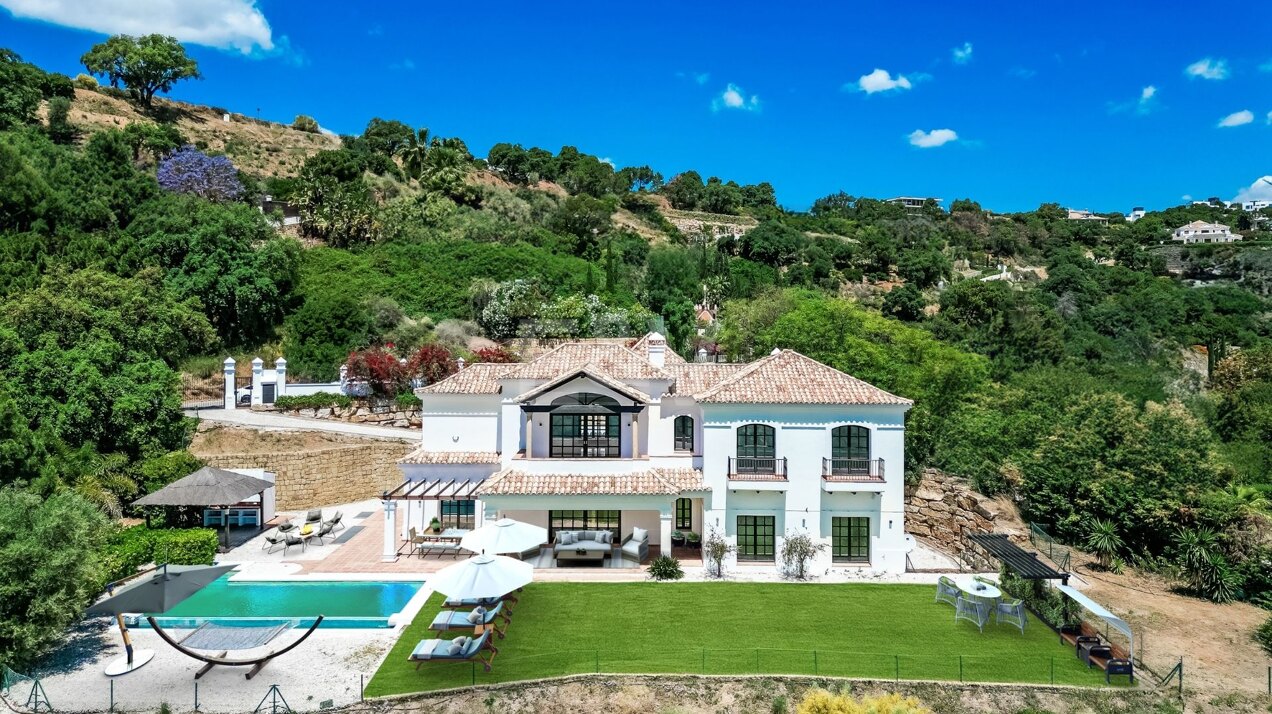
{"x": 850, "y": 539}
{"x": 757, "y": 441}
{"x": 850, "y": 442}
{"x": 684, "y": 514}
{"x": 457, "y": 513}
{"x": 683, "y": 429}
{"x": 574, "y": 436}
{"x": 585, "y": 520}
{"x": 757, "y": 539}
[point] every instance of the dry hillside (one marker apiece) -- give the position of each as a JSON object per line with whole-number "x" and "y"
{"x": 258, "y": 147}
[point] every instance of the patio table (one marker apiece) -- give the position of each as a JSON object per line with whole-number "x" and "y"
{"x": 448, "y": 535}
{"x": 975, "y": 587}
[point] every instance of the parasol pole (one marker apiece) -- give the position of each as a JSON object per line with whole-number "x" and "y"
{"x": 123, "y": 630}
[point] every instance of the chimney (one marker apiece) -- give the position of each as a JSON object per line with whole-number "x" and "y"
{"x": 657, "y": 347}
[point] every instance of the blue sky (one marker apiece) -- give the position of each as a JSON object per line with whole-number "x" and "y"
{"x": 1091, "y": 104}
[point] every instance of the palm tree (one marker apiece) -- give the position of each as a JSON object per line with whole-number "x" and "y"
{"x": 1104, "y": 541}
{"x": 415, "y": 153}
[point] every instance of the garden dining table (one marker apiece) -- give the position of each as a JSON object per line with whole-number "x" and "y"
{"x": 971, "y": 586}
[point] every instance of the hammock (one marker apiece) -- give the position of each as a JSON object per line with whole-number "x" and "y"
{"x": 213, "y": 637}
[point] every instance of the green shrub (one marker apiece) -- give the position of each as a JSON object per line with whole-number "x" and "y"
{"x": 131, "y": 548}
{"x": 665, "y": 567}
{"x": 321, "y": 400}
{"x": 305, "y": 123}
{"x": 407, "y": 400}
{"x": 1263, "y": 635}
{"x": 186, "y": 546}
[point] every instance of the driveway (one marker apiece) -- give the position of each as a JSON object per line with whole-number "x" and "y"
{"x": 271, "y": 421}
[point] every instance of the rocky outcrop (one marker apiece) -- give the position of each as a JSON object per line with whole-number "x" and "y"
{"x": 943, "y": 510}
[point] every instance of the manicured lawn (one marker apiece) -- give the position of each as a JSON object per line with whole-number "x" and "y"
{"x": 856, "y": 630}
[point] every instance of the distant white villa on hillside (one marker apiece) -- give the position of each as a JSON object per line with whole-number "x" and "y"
{"x": 1136, "y": 213}
{"x": 1202, "y": 232}
{"x": 615, "y": 437}
{"x": 913, "y": 203}
{"x": 1075, "y": 214}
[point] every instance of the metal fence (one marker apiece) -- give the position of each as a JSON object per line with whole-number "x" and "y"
{"x": 1046, "y": 545}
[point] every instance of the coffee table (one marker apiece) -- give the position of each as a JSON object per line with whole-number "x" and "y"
{"x": 583, "y": 555}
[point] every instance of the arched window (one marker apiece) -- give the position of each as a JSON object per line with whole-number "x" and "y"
{"x": 684, "y": 433}
{"x": 584, "y": 425}
{"x": 850, "y": 443}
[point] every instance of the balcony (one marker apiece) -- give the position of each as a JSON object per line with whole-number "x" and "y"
{"x": 756, "y": 468}
{"x": 843, "y": 470}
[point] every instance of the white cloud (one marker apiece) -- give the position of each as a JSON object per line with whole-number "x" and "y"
{"x": 224, "y": 24}
{"x": 931, "y": 139}
{"x": 1186, "y": 197}
{"x": 608, "y": 160}
{"x": 1021, "y": 72}
{"x": 1146, "y": 103}
{"x": 1207, "y": 68}
{"x": 1147, "y": 93}
{"x": 1269, "y": 117}
{"x": 881, "y": 80}
{"x": 1245, "y": 116}
{"x": 733, "y": 97}
{"x": 701, "y": 77}
{"x": 1260, "y": 190}
{"x": 962, "y": 55}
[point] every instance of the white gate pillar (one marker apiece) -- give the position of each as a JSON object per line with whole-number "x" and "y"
{"x": 280, "y": 386}
{"x": 258, "y": 369}
{"x": 390, "y": 532}
{"x": 229, "y": 400}
{"x": 664, "y": 528}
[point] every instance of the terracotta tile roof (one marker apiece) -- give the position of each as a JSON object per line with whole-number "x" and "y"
{"x": 421, "y": 456}
{"x": 641, "y": 347}
{"x": 592, "y": 372}
{"x": 616, "y": 361}
{"x": 788, "y": 377}
{"x": 657, "y": 482}
{"x": 695, "y": 377}
{"x": 476, "y": 378}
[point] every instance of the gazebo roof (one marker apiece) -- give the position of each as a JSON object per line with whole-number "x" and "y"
{"x": 209, "y": 486}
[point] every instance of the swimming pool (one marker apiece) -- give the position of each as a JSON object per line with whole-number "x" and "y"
{"x": 343, "y": 604}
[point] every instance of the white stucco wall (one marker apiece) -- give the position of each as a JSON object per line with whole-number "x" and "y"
{"x": 460, "y": 422}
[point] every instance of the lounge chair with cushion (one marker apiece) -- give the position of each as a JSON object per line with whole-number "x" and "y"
{"x": 324, "y": 531}
{"x": 469, "y": 604}
{"x": 460, "y": 648}
{"x": 290, "y": 539}
{"x": 479, "y": 617}
{"x": 335, "y": 522}
{"x": 314, "y": 516}
{"x": 946, "y": 591}
{"x": 274, "y": 540}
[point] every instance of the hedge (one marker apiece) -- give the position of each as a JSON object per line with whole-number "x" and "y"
{"x": 134, "y": 547}
{"x": 319, "y": 400}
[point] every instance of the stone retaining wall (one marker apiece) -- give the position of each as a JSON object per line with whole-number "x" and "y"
{"x": 321, "y": 477}
{"x": 944, "y": 509}
{"x": 380, "y": 413}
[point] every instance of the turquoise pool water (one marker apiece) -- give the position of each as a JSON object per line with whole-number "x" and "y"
{"x": 343, "y": 604}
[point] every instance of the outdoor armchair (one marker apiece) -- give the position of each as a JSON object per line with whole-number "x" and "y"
{"x": 480, "y": 617}
{"x": 972, "y": 609}
{"x": 946, "y": 591}
{"x": 335, "y": 522}
{"x": 636, "y": 549}
{"x": 446, "y": 650}
{"x": 1012, "y": 612}
{"x": 290, "y": 539}
{"x": 274, "y": 540}
{"x": 323, "y": 531}
{"x": 314, "y": 516}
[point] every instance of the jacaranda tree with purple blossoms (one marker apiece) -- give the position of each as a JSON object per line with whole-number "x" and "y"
{"x": 188, "y": 170}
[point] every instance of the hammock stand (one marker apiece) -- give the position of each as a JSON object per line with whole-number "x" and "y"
{"x": 256, "y": 663}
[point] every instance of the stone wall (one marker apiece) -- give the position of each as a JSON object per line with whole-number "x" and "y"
{"x": 943, "y": 510}
{"x": 322, "y": 477}
{"x": 363, "y": 411}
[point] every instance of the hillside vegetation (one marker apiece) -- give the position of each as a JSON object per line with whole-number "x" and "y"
{"x": 135, "y": 250}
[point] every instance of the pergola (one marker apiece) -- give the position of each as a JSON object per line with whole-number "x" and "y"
{"x": 439, "y": 490}
{"x": 1020, "y": 561}
{"x": 210, "y": 487}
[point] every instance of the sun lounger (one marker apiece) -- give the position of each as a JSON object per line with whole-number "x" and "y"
{"x": 447, "y": 650}
{"x": 479, "y": 618}
{"x": 507, "y": 600}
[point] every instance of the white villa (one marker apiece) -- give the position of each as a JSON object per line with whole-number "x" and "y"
{"x": 604, "y": 436}
{"x": 1202, "y": 232}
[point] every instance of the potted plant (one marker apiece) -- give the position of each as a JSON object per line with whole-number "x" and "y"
{"x": 435, "y": 525}
{"x": 677, "y": 538}
{"x": 692, "y": 540}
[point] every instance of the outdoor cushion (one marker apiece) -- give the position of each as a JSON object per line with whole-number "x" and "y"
{"x": 639, "y": 534}
{"x": 477, "y": 615}
{"x": 565, "y": 537}
{"x": 454, "y": 649}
